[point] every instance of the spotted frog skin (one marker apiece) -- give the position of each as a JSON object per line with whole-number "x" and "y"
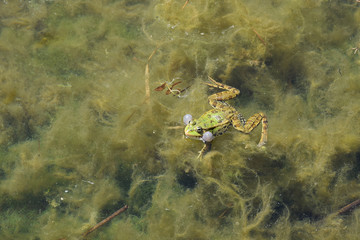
{"x": 217, "y": 120}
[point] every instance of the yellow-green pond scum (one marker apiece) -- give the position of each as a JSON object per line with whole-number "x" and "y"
{"x": 83, "y": 133}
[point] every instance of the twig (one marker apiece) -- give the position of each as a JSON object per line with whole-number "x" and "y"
{"x": 259, "y": 37}
{"x": 152, "y": 54}
{"x": 349, "y": 207}
{"x": 175, "y": 127}
{"x": 147, "y": 84}
{"x": 187, "y": 1}
{"x": 147, "y": 81}
{"x": 147, "y": 78}
{"x": 123, "y": 209}
{"x": 355, "y": 49}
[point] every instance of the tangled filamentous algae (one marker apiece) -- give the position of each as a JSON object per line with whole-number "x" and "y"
{"x": 82, "y": 131}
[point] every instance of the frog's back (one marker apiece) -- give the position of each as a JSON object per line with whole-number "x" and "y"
{"x": 215, "y": 117}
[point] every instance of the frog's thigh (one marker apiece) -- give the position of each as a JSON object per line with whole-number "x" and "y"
{"x": 252, "y": 123}
{"x": 222, "y": 96}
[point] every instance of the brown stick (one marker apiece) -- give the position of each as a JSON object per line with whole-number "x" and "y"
{"x": 123, "y": 209}
{"x": 259, "y": 37}
{"x": 152, "y": 54}
{"x": 147, "y": 84}
{"x": 147, "y": 78}
{"x": 349, "y": 206}
{"x": 187, "y": 1}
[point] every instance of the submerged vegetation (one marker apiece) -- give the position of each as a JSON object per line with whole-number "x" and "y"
{"x": 83, "y": 133}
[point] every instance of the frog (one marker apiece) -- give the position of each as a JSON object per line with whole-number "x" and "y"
{"x": 216, "y": 121}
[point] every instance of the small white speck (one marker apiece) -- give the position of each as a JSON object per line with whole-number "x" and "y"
{"x": 88, "y": 181}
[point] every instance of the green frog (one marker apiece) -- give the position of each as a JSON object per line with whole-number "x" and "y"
{"x": 215, "y": 122}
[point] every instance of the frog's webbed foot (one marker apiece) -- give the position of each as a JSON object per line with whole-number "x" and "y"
{"x": 252, "y": 123}
{"x": 204, "y": 150}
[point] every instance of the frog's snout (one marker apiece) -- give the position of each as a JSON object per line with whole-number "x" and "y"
{"x": 187, "y": 132}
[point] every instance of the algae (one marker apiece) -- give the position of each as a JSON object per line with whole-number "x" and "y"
{"x": 81, "y": 134}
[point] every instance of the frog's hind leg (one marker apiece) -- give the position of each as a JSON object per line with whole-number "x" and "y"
{"x": 215, "y": 99}
{"x": 250, "y": 124}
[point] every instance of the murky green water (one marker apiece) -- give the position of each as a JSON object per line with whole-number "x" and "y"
{"x": 82, "y": 131}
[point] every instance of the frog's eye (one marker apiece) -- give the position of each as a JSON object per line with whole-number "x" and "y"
{"x": 187, "y": 119}
{"x": 199, "y": 130}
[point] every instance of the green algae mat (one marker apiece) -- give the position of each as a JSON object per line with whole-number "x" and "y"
{"x": 92, "y": 99}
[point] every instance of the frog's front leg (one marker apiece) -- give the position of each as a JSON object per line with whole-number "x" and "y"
{"x": 204, "y": 150}
{"x": 252, "y": 123}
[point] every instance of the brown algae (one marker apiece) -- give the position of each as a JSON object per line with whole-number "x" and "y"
{"x": 81, "y": 135}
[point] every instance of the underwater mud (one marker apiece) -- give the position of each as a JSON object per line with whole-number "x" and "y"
{"x": 83, "y": 132}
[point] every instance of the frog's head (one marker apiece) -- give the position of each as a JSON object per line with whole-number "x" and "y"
{"x": 195, "y": 131}
{"x": 192, "y": 130}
